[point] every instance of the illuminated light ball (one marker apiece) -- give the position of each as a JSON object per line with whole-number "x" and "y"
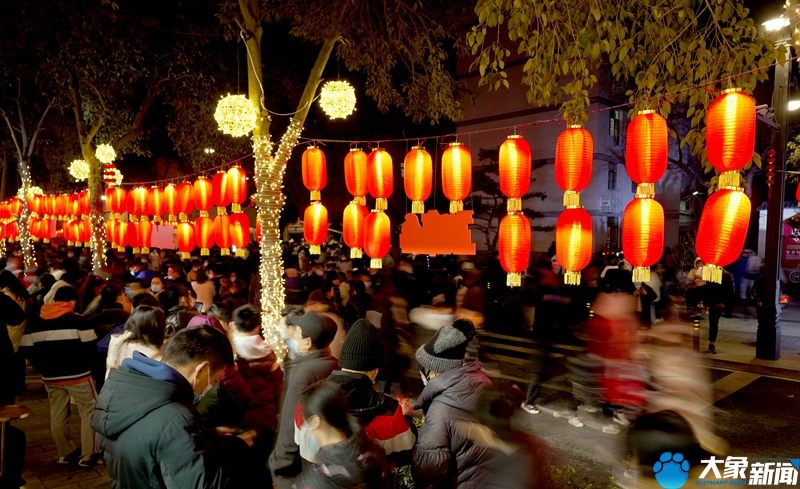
{"x": 117, "y": 176}
{"x": 315, "y": 226}
{"x": 643, "y": 236}
{"x": 79, "y": 170}
{"x": 105, "y": 153}
{"x": 574, "y": 243}
{"x": 514, "y": 247}
{"x": 337, "y": 99}
{"x": 418, "y": 178}
{"x": 236, "y": 115}
{"x": 515, "y": 170}
{"x": 722, "y": 230}
{"x": 377, "y": 235}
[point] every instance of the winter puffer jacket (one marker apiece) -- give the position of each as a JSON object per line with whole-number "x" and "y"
{"x": 444, "y": 455}
{"x": 265, "y": 379}
{"x": 355, "y": 462}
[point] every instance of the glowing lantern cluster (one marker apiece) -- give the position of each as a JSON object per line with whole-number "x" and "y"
{"x": 643, "y": 221}
{"x": 418, "y": 177}
{"x": 353, "y": 227}
{"x": 356, "y": 176}
{"x": 315, "y": 172}
{"x": 730, "y": 140}
{"x": 380, "y": 179}
{"x": 236, "y": 115}
{"x": 337, "y": 99}
{"x": 315, "y": 226}
{"x": 456, "y": 175}
{"x": 514, "y": 240}
{"x": 377, "y": 231}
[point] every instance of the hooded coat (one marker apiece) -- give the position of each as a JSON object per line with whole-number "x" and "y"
{"x": 355, "y": 462}
{"x": 444, "y": 455}
{"x": 151, "y": 434}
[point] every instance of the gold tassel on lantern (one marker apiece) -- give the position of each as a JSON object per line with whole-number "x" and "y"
{"x": 355, "y": 253}
{"x": 240, "y": 252}
{"x": 641, "y": 274}
{"x": 514, "y": 205}
{"x": 376, "y": 263}
{"x": 316, "y": 196}
{"x": 418, "y": 207}
{"x": 204, "y": 251}
{"x": 572, "y": 199}
{"x": 572, "y": 278}
{"x": 382, "y": 205}
{"x": 514, "y": 280}
{"x": 712, "y": 273}
{"x": 645, "y": 191}
{"x": 225, "y": 252}
{"x": 728, "y": 179}
{"x": 314, "y": 250}
{"x": 456, "y": 206}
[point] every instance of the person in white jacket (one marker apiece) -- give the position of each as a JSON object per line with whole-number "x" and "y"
{"x": 143, "y": 332}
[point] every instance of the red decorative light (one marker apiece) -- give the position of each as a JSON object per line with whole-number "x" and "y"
{"x": 219, "y": 190}
{"x": 643, "y": 236}
{"x": 184, "y": 237}
{"x": 315, "y": 226}
{"x": 186, "y": 200}
{"x": 722, "y": 230}
{"x": 515, "y": 170}
{"x": 137, "y": 201}
{"x": 121, "y": 235}
{"x": 222, "y": 233}
{"x": 171, "y": 202}
{"x": 514, "y": 247}
{"x": 315, "y": 171}
{"x": 377, "y": 235}
{"x": 381, "y": 178}
{"x": 646, "y": 148}
{"x": 237, "y": 187}
{"x": 134, "y": 237}
{"x": 574, "y": 243}
{"x": 574, "y": 153}
{"x": 456, "y": 175}
{"x": 15, "y": 206}
{"x": 418, "y": 178}
{"x": 356, "y": 175}
{"x": 731, "y": 131}
{"x": 240, "y": 232}
{"x": 204, "y": 229}
{"x": 86, "y": 202}
{"x": 353, "y": 227}
{"x": 203, "y": 195}
{"x": 155, "y": 203}
{"x": 146, "y": 235}
{"x": 116, "y": 200}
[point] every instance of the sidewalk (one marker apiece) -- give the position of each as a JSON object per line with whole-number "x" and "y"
{"x": 736, "y": 342}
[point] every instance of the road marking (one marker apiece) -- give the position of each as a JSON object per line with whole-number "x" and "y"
{"x": 732, "y": 383}
{"x": 508, "y": 347}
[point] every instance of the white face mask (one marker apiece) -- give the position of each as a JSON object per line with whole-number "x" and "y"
{"x": 198, "y": 397}
{"x": 307, "y": 442}
{"x": 156, "y": 288}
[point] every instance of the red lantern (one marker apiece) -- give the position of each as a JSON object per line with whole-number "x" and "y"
{"x": 356, "y": 175}
{"x": 5, "y": 211}
{"x": 134, "y": 237}
{"x": 377, "y": 233}
{"x": 219, "y": 191}
{"x": 121, "y": 235}
{"x": 117, "y": 200}
{"x": 381, "y": 179}
{"x": 62, "y": 204}
{"x": 203, "y": 193}
{"x": 72, "y": 232}
{"x": 85, "y": 231}
{"x": 33, "y": 226}
{"x": 574, "y": 153}
{"x": 146, "y": 235}
{"x": 315, "y": 226}
{"x": 137, "y": 202}
{"x": 171, "y": 202}
{"x": 456, "y": 175}
{"x": 12, "y": 231}
{"x": 184, "y": 236}
{"x": 33, "y": 203}
{"x": 204, "y": 233}
{"x": 418, "y": 176}
{"x": 222, "y": 233}
{"x": 155, "y": 203}
{"x": 515, "y": 171}
{"x": 237, "y": 187}
{"x": 315, "y": 172}
{"x": 186, "y": 200}
{"x": 111, "y": 226}
{"x": 15, "y": 206}
{"x": 730, "y": 134}
{"x": 514, "y": 247}
{"x": 643, "y": 236}
{"x": 646, "y": 151}
{"x": 574, "y": 243}
{"x": 240, "y": 232}
{"x": 50, "y": 205}
{"x": 353, "y": 227}
{"x": 86, "y": 202}
{"x": 723, "y": 227}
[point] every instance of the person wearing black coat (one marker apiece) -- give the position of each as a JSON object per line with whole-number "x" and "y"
{"x": 9, "y": 389}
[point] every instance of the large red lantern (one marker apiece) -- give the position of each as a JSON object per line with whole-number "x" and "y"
{"x": 574, "y": 154}
{"x": 5, "y": 211}
{"x": 49, "y": 205}
{"x": 85, "y": 231}
{"x": 723, "y": 227}
{"x": 186, "y": 200}
{"x": 353, "y": 227}
{"x": 155, "y": 203}
{"x": 33, "y": 203}
{"x": 574, "y": 243}
{"x": 111, "y": 226}
{"x": 240, "y": 232}
{"x": 12, "y": 231}
{"x": 86, "y": 202}
{"x": 315, "y": 171}
{"x": 203, "y": 195}
{"x": 171, "y": 202}
{"x": 121, "y": 235}
{"x": 72, "y": 232}
{"x": 515, "y": 170}
{"x": 643, "y": 236}
{"x": 204, "y": 234}
{"x": 62, "y": 204}
{"x": 315, "y": 226}
{"x": 237, "y": 187}
{"x": 730, "y": 134}
{"x": 381, "y": 178}
{"x": 146, "y": 236}
{"x": 137, "y": 202}
{"x": 514, "y": 247}
{"x": 356, "y": 175}
{"x": 117, "y": 200}
{"x": 456, "y": 175}
{"x": 34, "y": 225}
{"x": 75, "y": 205}
{"x": 134, "y": 237}
{"x": 646, "y": 151}
{"x": 377, "y": 235}
{"x": 222, "y": 233}
{"x": 15, "y": 206}
{"x": 418, "y": 176}
{"x": 184, "y": 237}
{"x": 219, "y": 191}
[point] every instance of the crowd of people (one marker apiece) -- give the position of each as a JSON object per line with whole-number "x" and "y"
{"x": 165, "y": 361}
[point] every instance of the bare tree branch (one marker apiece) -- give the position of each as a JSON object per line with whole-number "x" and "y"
{"x": 39, "y": 127}
{"x": 102, "y": 119}
{"x": 21, "y": 118}
{"x": 77, "y": 104}
{"x": 11, "y": 130}
{"x": 138, "y": 123}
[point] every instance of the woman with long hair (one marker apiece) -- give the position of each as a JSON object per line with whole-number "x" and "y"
{"x": 144, "y": 332}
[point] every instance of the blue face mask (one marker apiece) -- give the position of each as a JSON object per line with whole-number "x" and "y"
{"x": 307, "y": 443}
{"x": 291, "y": 345}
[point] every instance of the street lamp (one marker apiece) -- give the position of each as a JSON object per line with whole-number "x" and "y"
{"x": 768, "y": 337}
{"x": 794, "y": 104}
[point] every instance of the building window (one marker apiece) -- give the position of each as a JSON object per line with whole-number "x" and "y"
{"x": 612, "y": 233}
{"x": 612, "y": 176}
{"x": 615, "y": 125}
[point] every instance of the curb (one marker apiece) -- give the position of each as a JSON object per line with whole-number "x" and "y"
{"x": 757, "y": 369}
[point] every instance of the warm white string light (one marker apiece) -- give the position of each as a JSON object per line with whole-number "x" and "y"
{"x": 79, "y": 170}
{"x": 105, "y": 153}
{"x": 236, "y": 115}
{"x": 338, "y": 99}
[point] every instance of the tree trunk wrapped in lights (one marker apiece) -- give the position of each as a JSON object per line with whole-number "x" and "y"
{"x": 315, "y": 226}
{"x": 574, "y": 242}
{"x": 722, "y": 230}
{"x": 515, "y": 170}
{"x": 353, "y": 227}
{"x": 356, "y": 176}
{"x": 381, "y": 177}
{"x": 574, "y": 154}
{"x": 314, "y": 171}
{"x": 514, "y": 247}
{"x": 456, "y": 175}
{"x": 377, "y": 235}
{"x": 418, "y": 177}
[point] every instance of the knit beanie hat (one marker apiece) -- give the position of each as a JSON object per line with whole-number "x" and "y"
{"x": 445, "y": 351}
{"x": 363, "y": 348}
{"x": 466, "y": 326}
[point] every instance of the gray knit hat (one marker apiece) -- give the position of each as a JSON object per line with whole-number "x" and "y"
{"x": 445, "y": 351}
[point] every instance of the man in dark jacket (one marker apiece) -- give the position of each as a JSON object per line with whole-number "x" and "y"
{"x": 308, "y": 342}
{"x": 381, "y": 416}
{"x": 444, "y": 455}
{"x": 151, "y": 433}
{"x": 60, "y": 344}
